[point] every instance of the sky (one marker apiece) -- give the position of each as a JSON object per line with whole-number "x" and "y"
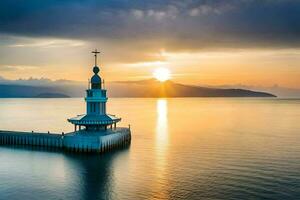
{"x": 202, "y": 42}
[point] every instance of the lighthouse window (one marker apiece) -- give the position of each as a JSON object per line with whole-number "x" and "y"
{"x": 96, "y": 108}
{"x": 93, "y": 107}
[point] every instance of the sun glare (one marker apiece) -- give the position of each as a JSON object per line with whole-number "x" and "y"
{"x": 162, "y": 74}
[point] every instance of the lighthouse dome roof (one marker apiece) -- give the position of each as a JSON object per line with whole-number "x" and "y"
{"x": 96, "y": 79}
{"x": 96, "y": 69}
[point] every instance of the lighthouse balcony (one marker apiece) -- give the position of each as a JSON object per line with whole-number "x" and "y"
{"x": 95, "y": 93}
{"x": 96, "y": 99}
{"x": 94, "y": 119}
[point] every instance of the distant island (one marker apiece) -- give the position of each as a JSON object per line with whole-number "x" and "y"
{"x": 51, "y": 95}
{"x": 154, "y": 88}
{"x": 144, "y": 88}
{"x": 25, "y": 91}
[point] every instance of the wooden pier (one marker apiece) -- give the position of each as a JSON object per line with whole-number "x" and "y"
{"x": 99, "y": 134}
{"x": 79, "y": 141}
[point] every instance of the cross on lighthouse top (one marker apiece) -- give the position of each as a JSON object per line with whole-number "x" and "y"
{"x": 95, "y": 52}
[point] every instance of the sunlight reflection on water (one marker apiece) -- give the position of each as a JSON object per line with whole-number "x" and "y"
{"x": 162, "y": 136}
{"x": 185, "y": 148}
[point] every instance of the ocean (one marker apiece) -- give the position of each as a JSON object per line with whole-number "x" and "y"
{"x": 182, "y": 148}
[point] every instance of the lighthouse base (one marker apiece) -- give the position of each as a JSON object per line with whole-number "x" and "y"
{"x": 79, "y": 141}
{"x": 100, "y": 141}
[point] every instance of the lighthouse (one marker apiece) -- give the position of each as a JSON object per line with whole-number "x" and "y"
{"x": 95, "y": 132}
{"x": 96, "y": 118}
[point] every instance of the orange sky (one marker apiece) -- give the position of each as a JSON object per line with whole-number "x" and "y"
{"x": 211, "y": 42}
{"x": 72, "y": 60}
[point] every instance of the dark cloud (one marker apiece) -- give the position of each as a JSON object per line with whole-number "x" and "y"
{"x": 174, "y": 24}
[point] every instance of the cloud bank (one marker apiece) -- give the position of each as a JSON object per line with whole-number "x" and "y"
{"x": 173, "y": 24}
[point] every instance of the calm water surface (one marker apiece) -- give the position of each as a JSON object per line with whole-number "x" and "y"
{"x": 188, "y": 148}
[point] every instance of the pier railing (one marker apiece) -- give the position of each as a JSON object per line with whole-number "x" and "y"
{"x": 75, "y": 142}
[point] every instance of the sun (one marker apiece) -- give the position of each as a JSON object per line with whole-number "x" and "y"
{"x": 162, "y": 74}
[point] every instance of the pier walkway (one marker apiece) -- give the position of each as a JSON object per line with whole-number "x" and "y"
{"x": 79, "y": 141}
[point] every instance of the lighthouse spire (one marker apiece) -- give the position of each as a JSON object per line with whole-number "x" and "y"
{"x": 95, "y": 52}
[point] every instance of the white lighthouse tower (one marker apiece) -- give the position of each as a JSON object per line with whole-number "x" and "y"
{"x": 96, "y": 118}
{"x": 95, "y": 132}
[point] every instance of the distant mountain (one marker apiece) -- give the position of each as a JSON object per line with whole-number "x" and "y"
{"x": 145, "y": 88}
{"x": 153, "y": 88}
{"x": 279, "y": 91}
{"x": 52, "y": 95}
{"x": 33, "y": 87}
{"x": 25, "y": 91}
